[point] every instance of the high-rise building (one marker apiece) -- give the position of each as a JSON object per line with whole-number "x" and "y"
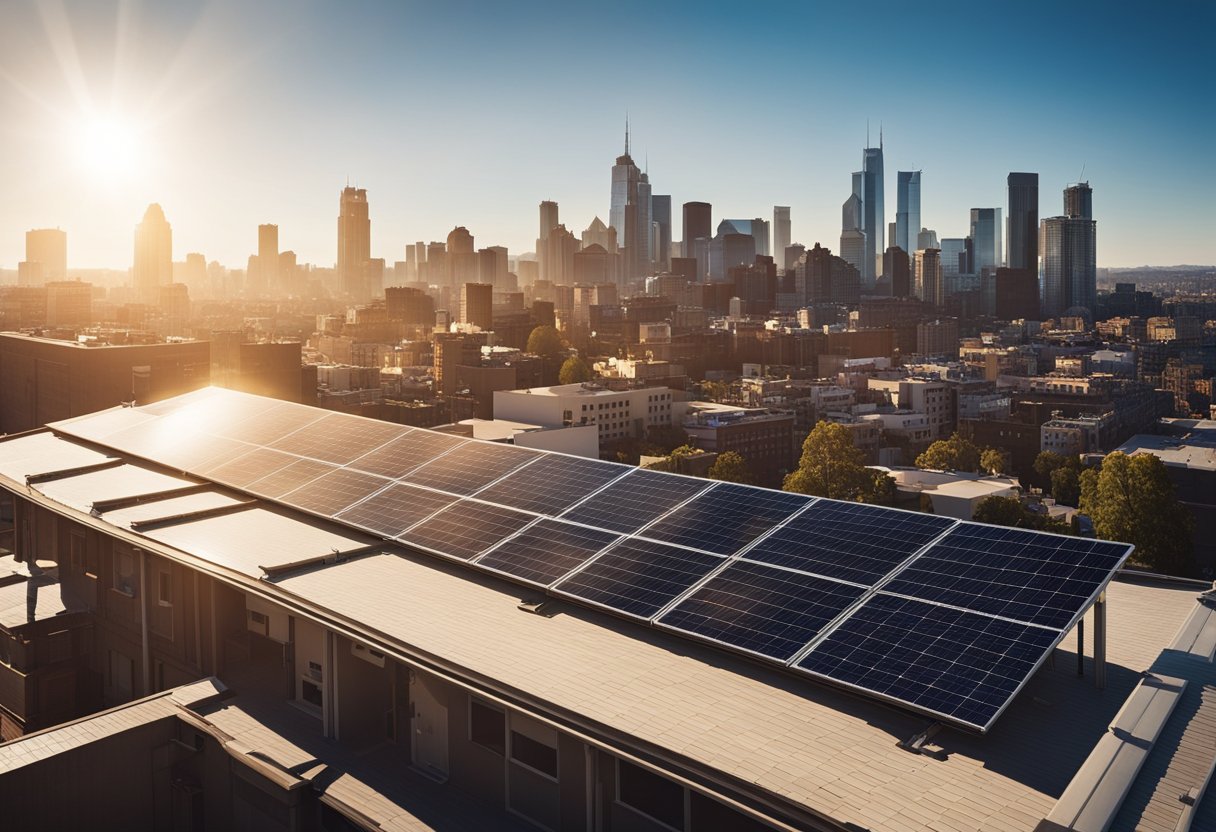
{"x": 874, "y": 219}
{"x": 926, "y": 238}
{"x": 927, "y": 274}
{"x": 644, "y": 258}
{"x": 49, "y": 248}
{"x": 907, "y": 209}
{"x": 354, "y": 244}
{"x": 462, "y": 266}
{"x": 852, "y": 232}
{"x": 898, "y": 269}
{"x": 557, "y": 257}
{"x": 1069, "y": 256}
{"x": 548, "y": 218}
{"x": 598, "y": 234}
{"x": 153, "y": 266}
{"x": 477, "y": 305}
{"x": 986, "y": 250}
{"x": 698, "y": 225}
{"x": 1022, "y": 229}
{"x": 822, "y": 277}
{"x": 660, "y": 216}
{"x": 264, "y": 277}
{"x": 793, "y": 253}
{"x": 781, "y": 232}
{"x": 628, "y": 215}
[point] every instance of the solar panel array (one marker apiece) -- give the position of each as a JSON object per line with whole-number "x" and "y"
{"x": 944, "y": 617}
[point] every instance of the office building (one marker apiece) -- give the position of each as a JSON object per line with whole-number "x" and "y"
{"x": 153, "y": 265}
{"x": 629, "y": 216}
{"x": 1069, "y": 264}
{"x": 793, "y": 253}
{"x": 1022, "y": 234}
{"x": 874, "y": 221}
{"x": 593, "y": 265}
{"x": 660, "y": 216}
{"x": 926, "y": 238}
{"x": 354, "y": 244}
{"x": 263, "y": 275}
{"x": 937, "y": 339}
{"x": 698, "y": 225}
{"x": 1017, "y": 294}
{"x": 462, "y": 264}
{"x": 928, "y": 278}
{"x": 781, "y": 231}
{"x": 49, "y": 248}
{"x": 986, "y": 250}
{"x": 734, "y": 245}
{"x": 557, "y": 257}
{"x": 897, "y": 268}
{"x": 907, "y": 210}
{"x": 852, "y": 234}
{"x": 822, "y": 277}
{"x": 477, "y": 305}
{"x": 548, "y": 218}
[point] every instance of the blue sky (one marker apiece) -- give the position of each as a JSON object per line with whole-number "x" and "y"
{"x": 470, "y": 114}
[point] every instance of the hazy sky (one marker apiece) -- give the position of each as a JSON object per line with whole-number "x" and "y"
{"x": 454, "y": 113}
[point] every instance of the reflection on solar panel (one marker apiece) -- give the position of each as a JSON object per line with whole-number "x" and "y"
{"x": 329, "y": 494}
{"x": 247, "y": 468}
{"x": 726, "y": 518}
{"x": 338, "y": 438}
{"x": 270, "y": 426}
{"x": 187, "y": 453}
{"x": 395, "y": 509}
{"x": 273, "y": 486}
{"x": 405, "y": 453}
{"x": 636, "y": 500}
{"x": 639, "y": 577}
{"x": 552, "y": 483}
{"x": 956, "y": 664}
{"x": 1028, "y": 576}
{"x": 467, "y": 529}
{"x": 770, "y": 611}
{"x": 849, "y": 541}
{"x": 546, "y": 551}
{"x": 470, "y": 467}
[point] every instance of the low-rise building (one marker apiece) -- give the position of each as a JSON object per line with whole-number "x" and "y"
{"x": 948, "y": 494}
{"x": 764, "y": 438}
{"x": 617, "y": 413}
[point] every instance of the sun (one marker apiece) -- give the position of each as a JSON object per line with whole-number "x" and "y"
{"x": 108, "y": 148}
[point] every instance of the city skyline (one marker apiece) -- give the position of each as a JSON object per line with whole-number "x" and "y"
{"x": 264, "y": 136}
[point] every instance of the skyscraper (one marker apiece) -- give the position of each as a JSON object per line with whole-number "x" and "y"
{"x": 1022, "y": 230}
{"x": 927, "y": 274}
{"x": 781, "y": 232}
{"x": 907, "y": 209}
{"x": 873, "y": 217}
{"x": 627, "y": 215}
{"x": 477, "y": 305}
{"x": 644, "y": 259}
{"x": 153, "y": 266}
{"x": 698, "y": 225}
{"x": 354, "y": 243}
{"x": 852, "y": 235}
{"x": 49, "y": 248}
{"x": 268, "y": 259}
{"x": 660, "y": 215}
{"x": 897, "y": 267}
{"x": 1069, "y": 249}
{"x": 986, "y": 247}
{"x": 548, "y": 218}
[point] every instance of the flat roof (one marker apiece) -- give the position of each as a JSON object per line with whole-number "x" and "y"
{"x": 1197, "y": 452}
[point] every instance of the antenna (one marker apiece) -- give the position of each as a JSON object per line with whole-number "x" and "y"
{"x": 880, "y": 135}
{"x": 1081, "y": 178}
{"x": 867, "y": 132}
{"x": 626, "y": 132}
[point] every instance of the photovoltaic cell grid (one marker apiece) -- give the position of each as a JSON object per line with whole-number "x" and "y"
{"x": 395, "y": 509}
{"x": 639, "y": 577}
{"x": 552, "y": 483}
{"x": 960, "y": 665}
{"x": 726, "y": 518}
{"x": 466, "y": 529}
{"x": 270, "y": 426}
{"x": 848, "y": 541}
{"x": 632, "y": 502}
{"x": 1036, "y": 578}
{"x": 274, "y": 486}
{"x": 337, "y": 438}
{"x": 770, "y": 611}
{"x": 545, "y": 551}
{"x": 405, "y": 453}
{"x": 470, "y": 467}
{"x": 247, "y": 468}
{"x": 331, "y": 493}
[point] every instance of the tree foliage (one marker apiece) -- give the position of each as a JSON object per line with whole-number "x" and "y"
{"x": 574, "y": 371}
{"x": 831, "y": 466}
{"x": 1009, "y": 511}
{"x": 1066, "y": 484}
{"x": 994, "y": 461}
{"x": 731, "y": 467}
{"x": 1047, "y": 462}
{"x": 672, "y": 463}
{"x": 546, "y": 342}
{"x": 1131, "y": 499}
{"x": 953, "y": 454}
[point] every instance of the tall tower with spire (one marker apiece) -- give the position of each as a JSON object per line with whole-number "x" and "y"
{"x": 874, "y": 221}
{"x": 626, "y": 214}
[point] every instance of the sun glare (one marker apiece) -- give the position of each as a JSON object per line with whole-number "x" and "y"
{"x": 108, "y": 148}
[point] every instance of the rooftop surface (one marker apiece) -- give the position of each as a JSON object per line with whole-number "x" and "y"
{"x": 1198, "y": 452}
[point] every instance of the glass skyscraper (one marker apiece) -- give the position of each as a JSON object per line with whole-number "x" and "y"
{"x": 1022, "y": 234}
{"x": 985, "y": 239}
{"x": 907, "y": 210}
{"x": 1069, "y": 246}
{"x": 873, "y": 218}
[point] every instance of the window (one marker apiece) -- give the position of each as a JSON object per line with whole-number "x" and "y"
{"x": 310, "y": 692}
{"x": 654, "y": 796}
{"x": 534, "y": 754}
{"x": 124, "y": 570}
{"x": 488, "y": 727}
{"x": 164, "y": 588}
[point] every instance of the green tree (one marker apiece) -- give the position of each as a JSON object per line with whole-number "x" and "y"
{"x": 1131, "y": 499}
{"x": 731, "y": 467}
{"x": 994, "y": 461}
{"x": 546, "y": 342}
{"x": 673, "y": 462}
{"x": 1066, "y": 483}
{"x": 953, "y": 454}
{"x": 1009, "y": 511}
{"x": 574, "y": 371}
{"x": 831, "y": 466}
{"x": 1047, "y": 462}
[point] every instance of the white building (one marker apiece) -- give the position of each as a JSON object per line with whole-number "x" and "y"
{"x": 619, "y": 414}
{"x": 951, "y": 494}
{"x": 932, "y": 397}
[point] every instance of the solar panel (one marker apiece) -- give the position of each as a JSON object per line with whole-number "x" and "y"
{"x": 247, "y": 468}
{"x": 637, "y": 499}
{"x": 395, "y": 509}
{"x": 848, "y": 541}
{"x": 270, "y": 426}
{"x": 552, "y": 483}
{"x": 338, "y": 438}
{"x": 726, "y": 518}
{"x": 639, "y": 577}
{"x": 544, "y": 552}
{"x": 956, "y": 664}
{"x": 405, "y": 453}
{"x": 466, "y": 529}
{"x": 471, "y": 467}
{"x": 1028, "y": 576}
{"x": 762, "y": 609}
{"x": 187, "y": 453}
{"x": 273, "y": 486}
{"x": 327, "y": 495}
